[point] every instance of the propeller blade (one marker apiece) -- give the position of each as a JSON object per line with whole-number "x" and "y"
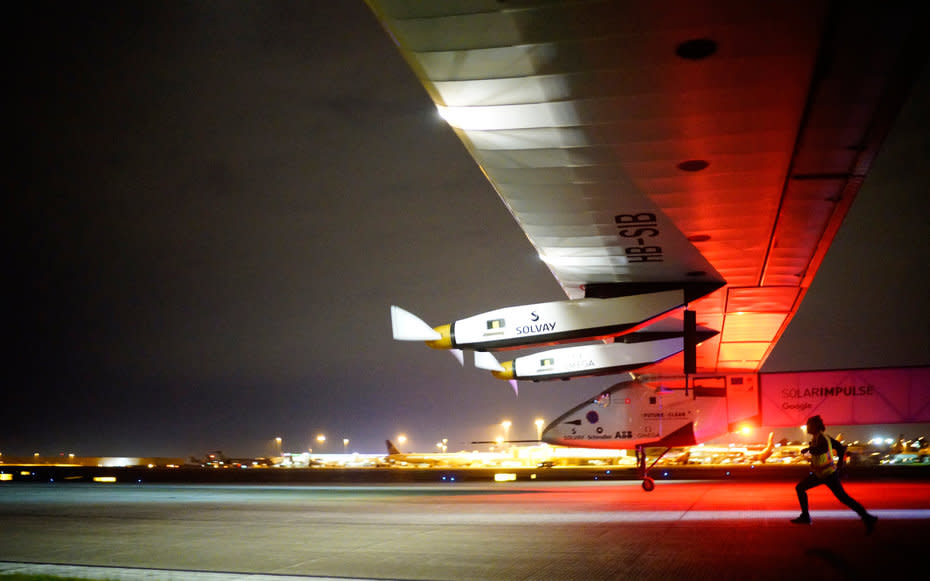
{"x": 409, "y": 327}
{"x": 516, "y": 390}
{"x": 459, "y": 356}
{"x": 485, "y": 360}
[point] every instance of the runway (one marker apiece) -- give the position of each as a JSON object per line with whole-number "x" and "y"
{"x": 466, "y": 531}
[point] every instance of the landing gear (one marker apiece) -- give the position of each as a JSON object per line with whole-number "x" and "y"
{"x": 648, "y": 483}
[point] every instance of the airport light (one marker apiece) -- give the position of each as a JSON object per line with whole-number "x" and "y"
{"x": 401, "y": 439}
{"x": 278, "y": 442}
{"x": 539, "y": 426}
{"x": 506, "y": 425}
{"x": 345, "y": 445}
{"x": 321, "y": 439}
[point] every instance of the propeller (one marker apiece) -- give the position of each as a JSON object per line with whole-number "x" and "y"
{"x": 485, "y": 360}
{"x": 408, "y": 327}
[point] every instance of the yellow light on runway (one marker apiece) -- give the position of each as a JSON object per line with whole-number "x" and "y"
{"x": 504, "y": 477}
{"x": 5, "y": 477}
{"x": 104, "y": 478}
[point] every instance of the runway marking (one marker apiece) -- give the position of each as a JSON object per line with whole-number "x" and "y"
{"x": 603, "y": 517}
{"x": 138, "y": 574}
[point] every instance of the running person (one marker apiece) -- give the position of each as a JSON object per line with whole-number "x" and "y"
{"x": 825, "y": 470}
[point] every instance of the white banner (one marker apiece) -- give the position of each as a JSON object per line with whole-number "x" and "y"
{"x": 847, "y": 397}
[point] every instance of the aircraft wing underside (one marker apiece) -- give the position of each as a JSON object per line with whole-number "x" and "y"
{"x": 645, "y": 146}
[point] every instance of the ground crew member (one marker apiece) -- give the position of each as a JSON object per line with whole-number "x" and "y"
{"x": 826, "y": 470}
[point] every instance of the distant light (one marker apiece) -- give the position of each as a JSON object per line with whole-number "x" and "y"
{"x": 504, "y": 477}
{"x": 104, "y": 478}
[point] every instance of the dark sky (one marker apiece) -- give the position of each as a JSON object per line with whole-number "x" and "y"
{"x": 214, "y": 205}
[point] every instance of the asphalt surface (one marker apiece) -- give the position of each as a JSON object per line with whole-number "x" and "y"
{"x": 462, "y": 531}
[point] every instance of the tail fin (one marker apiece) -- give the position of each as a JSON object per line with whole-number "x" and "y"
{"x": 766, "y": 452}
{"x": 391, "y": 448}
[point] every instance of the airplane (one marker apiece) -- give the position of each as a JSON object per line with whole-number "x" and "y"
{"x": 686, "y": 161}
{"x": 765, "y": 453}
{"x": 446, "y": 459}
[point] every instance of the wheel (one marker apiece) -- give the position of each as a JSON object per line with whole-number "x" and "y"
{"x": 648, "y": 484}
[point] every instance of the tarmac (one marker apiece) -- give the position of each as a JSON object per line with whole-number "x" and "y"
{"x": 457, "y": 531}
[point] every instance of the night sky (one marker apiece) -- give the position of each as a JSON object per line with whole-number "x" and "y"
{"x": 214, "y": 205}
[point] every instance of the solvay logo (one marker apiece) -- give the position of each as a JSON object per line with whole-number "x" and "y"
{"x": 535, "y": 327}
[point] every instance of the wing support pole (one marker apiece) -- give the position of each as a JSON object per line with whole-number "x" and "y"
{"x": 690, "y": 344}
{"x": 690, "y": 321}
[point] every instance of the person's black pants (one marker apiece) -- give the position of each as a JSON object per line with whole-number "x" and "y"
{"x": 833, "y": 483}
